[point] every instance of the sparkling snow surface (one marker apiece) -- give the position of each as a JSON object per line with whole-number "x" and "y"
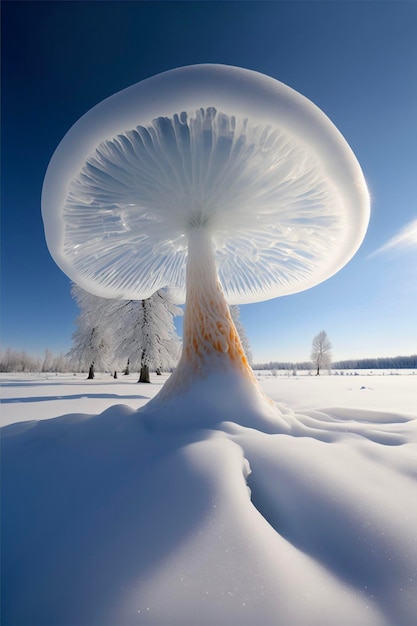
{"x": 213, "y": 511}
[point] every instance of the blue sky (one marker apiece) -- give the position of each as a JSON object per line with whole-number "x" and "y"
{"x": 355, "y": 60}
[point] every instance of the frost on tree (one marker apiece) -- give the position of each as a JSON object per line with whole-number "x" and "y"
{"x": 321, "y": 352}
{"x": 219, "y": 182}
{"x": 112, "y": 332}
{"x": 144, "y": 334}
{"x": 235, "y": 313}
{"x": 92, "y": 348}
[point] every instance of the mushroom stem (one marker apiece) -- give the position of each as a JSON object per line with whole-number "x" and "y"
{"x": 209, "y": 331}
{"x": 210, "y": 339}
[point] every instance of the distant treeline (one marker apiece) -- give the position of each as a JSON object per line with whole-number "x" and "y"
{"x": 396, "y": 362}
{"x": 20, "y": 361}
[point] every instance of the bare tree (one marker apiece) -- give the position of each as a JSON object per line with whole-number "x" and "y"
{"x": 321, "y": 354}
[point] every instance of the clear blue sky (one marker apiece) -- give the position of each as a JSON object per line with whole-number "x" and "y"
{"x": 356, "y": 60}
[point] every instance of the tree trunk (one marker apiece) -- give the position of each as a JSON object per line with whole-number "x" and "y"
{"x": 318, "y": 370}
{"x": 158, "y": 371}
{"x": 127, "y": 370}
{"x": 144, "y": 368}
{"x": 115, "y": 374}
{"x": 144, "y": 374}
{"x": 91, "y": 372}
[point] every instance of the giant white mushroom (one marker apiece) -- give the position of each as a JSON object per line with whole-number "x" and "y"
{"x": 219, "y": 182}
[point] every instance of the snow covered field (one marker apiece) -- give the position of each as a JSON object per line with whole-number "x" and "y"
{"x": 42, "y": 396}
{"x": 115, "y": 517}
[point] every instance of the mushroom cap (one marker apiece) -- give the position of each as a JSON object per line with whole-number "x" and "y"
{"x": 213, "y": 146}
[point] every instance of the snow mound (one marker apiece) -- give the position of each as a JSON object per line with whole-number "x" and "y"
{"x": 220, "y": 397}
{"x": 216, "y": 509}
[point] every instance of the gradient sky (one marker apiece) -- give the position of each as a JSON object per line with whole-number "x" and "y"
{"x": 356, "y": 60}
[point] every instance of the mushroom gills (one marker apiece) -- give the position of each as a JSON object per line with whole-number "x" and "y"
{"x": 274, "y": 215}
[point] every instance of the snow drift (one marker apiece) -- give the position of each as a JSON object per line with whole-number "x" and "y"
{"x": 221, "y": 517}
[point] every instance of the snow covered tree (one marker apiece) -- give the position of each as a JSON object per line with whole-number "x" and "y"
{"x": 47, "y": 361}
{"x": 235, "y": 313}
{"x": 140, "y": 333}
{"x": 92, "y": 347}
{"x": 18, "y": 361}
{"x": 321, "y": 354}
{"x": 144, "y": 333}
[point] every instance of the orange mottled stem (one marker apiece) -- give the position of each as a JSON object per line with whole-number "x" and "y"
{"x": 209, "y": 330}
{"x": 210, "y": 338}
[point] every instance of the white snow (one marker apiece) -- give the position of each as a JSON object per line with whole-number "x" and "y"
{"x": 212, "y": 510}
